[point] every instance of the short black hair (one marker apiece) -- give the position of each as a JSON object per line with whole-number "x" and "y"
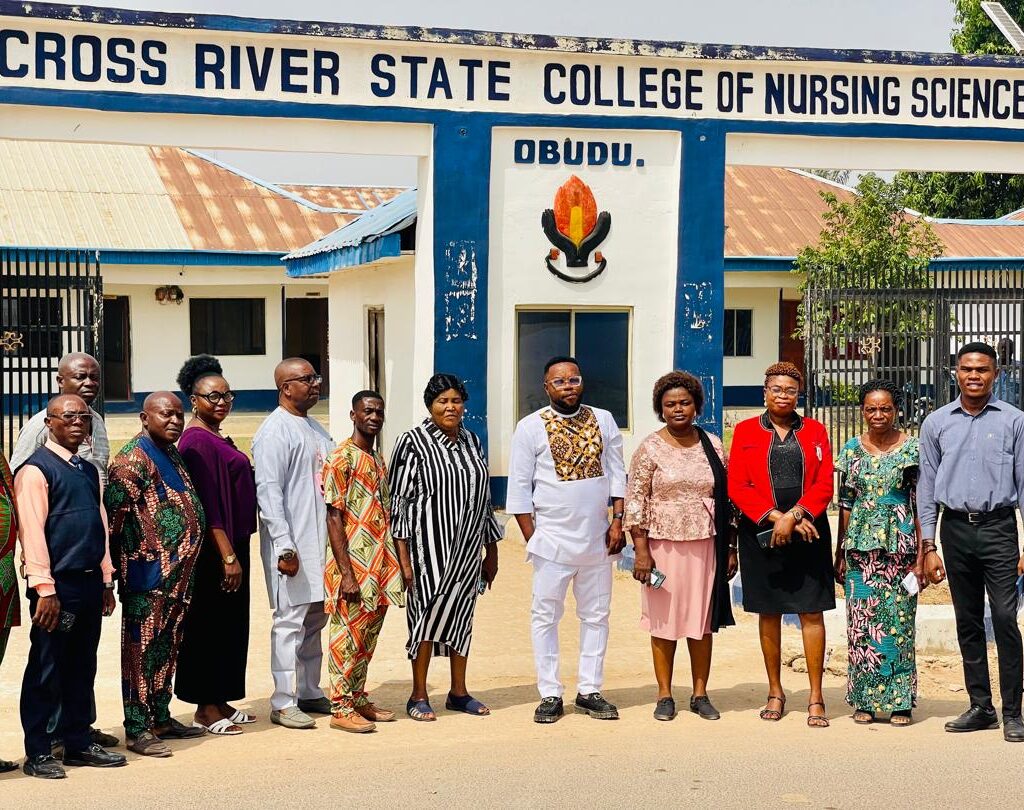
{"x": 195, "y": 368}
{"x": 976, "y": 347}
{"x": 677, "y": 379}
{"x": 440, "y": 383}
{"x": 562, "y": 358}
{"x": 365, "y": 394}
{"x": 880, "y": 385}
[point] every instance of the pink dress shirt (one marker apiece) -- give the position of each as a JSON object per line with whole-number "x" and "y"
{"x": 32, "y": 495}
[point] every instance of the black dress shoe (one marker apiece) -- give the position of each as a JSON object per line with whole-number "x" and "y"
{"x": 974, "y": 719}
{"x": 43, "y": 766}
{"x": 549, "y": 710}
{"x": 6, "y": 766}
{"x": 1013, "y": 729}
{"x": 103, "y": 739}
{"x": 702, "y": 706}
{"x": 596, "y": 706}
{"x": 95, "y": 757}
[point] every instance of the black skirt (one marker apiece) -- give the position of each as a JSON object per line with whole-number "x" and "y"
{"x": 215, "y": 636}
{"x": 796, "y": 578}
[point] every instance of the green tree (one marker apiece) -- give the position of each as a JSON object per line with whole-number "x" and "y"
{"x": 970, "y": 195}
{"x": 870, "y": 244}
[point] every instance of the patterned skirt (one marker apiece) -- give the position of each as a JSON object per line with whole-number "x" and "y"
{"x": 880, "y": 614}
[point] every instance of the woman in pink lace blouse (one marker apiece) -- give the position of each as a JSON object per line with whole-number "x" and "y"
{"x": 678, "y": 514}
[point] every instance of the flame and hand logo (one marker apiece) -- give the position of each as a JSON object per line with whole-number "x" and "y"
{"x": 575, "y": 228}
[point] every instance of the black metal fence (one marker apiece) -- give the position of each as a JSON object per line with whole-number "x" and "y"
{"x": 51, "y": 303}
{"x": 909, "y": 335}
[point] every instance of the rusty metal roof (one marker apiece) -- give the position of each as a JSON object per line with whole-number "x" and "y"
{"x": 158, "y": 198}
{"x": 776, "y": 212}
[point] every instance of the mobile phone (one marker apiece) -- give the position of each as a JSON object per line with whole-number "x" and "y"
{"x": 657, "y": 578}
{"x": 481, "y": 586}
{"x": 910, "y": 583}
{"x": 65, "y": 621}
{"x": 764, "y": 539}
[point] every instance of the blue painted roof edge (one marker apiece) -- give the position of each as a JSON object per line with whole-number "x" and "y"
{"x": 150, "y": 256}
{"x": 450, "y": 36}
{"x": 291, "y": 195}
{"x": 394, "y": 215}
{"x": 387, "y": 246}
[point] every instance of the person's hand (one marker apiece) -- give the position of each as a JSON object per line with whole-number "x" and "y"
{"x": 1020, "y": 566}
{"x": 109, "y": 603}
{"x": 782, "y": 531}
{"x": 806, "y": 531}
{"x": 47, "y": 613}
{"x": 233, "y": 576}
{"x": 642, "y": 566}
{"x": 840, "y": 569}
{"x": 489, "y": 568}
{"x": 615, "y": 539}
{"x": 289, "y": 567}
{"x": 405, "y": 563}
{"x": 918, "y": 570}
{"x": 734, "y": 564}
{"x": 933, "y": 567}
{"x": 349, "y": 590}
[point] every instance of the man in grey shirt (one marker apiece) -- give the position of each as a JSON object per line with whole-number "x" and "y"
{"x": 289, "y": 451}
{"x": 972, "y": 465}
{"x": 78, "y": 374}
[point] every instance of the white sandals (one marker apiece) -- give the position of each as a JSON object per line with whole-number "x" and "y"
{"x": 224, "y": 727}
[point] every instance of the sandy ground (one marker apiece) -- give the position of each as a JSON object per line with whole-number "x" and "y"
{"x": 507, "y": 760}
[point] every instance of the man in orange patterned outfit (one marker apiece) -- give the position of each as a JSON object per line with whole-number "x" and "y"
{"x": 361, "y": 576}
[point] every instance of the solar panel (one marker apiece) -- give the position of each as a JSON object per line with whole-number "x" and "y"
{"x": 1005, "y": 23}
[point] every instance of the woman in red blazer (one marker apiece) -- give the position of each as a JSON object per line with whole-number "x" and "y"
{"x": 780, "y": 478}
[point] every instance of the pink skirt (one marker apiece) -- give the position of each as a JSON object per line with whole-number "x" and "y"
{"x": 681, "y": 607}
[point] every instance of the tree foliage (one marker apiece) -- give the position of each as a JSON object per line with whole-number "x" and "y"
{"x": 868, "y": 243}
{"x": 970, "y": 195}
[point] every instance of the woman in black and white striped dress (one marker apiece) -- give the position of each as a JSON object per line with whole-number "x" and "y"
{"x": 441, "y": 520}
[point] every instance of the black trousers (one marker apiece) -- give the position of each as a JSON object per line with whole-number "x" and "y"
{"x": 61, "y": 668}
{"x": 980, "y": 558}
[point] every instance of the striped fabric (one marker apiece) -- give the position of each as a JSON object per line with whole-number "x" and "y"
{"x": 441, "y": 504}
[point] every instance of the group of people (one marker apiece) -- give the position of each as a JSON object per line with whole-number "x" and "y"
{"x": 344, "y": 536}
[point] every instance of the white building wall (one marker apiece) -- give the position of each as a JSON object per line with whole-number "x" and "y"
{"x": 641, "y": 250}
{"x": 764, "y": 343}
{"x": 160, "y": 333}
{"x": 388, "y": 285}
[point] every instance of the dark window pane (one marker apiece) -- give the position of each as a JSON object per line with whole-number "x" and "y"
{"x": 228, "y": 325}
{"x": 729, "y": 340}
{"x": 539, "y": 337}
{"x": 744, "y": 319}
{"x": 602, "y": 348}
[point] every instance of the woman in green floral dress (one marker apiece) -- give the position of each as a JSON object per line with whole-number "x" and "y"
{"x": 879, "y": 545}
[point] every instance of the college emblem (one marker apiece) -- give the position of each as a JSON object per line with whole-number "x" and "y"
{"x": 575, "y": 228}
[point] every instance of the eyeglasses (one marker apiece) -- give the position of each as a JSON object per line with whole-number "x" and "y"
{"x": 778, "y": 391}
{"x": 71, "y": 418}
{"x": 308, "y": 379}
{"x": 216, "y": 397}
{"x": 562, "y": 382}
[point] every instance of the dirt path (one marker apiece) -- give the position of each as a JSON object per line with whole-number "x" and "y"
{"x": 507, "y": 760}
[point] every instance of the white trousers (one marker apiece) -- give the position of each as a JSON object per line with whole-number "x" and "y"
{"x": 592, "y": 588}
{"x": 296, "y": 653}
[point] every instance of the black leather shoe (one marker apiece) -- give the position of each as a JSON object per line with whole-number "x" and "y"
{"x": 596, "y": 706}
{"x": 95, "y": 757}
{"x": 665, "y": 710}
{"x": 102, "y": 739}
{"x": 702, "y": 706}
{"x": 549, "y": 710}
{"x": 974, "y": 719}
{"x": 1013, "y": 729}
{"x": 6, "y": 766}
{"x": 43, "y": 766}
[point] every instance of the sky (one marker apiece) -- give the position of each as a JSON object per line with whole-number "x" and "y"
{"x": 907, "y": 25}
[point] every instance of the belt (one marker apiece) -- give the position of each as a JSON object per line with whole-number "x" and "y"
{"x": 979, "y": 518}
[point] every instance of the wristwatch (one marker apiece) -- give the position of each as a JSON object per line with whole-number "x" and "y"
{"x": 617, "y": 515}
{"x": 108, "y": 586}
{"x": 230, "y": 559}
{"x": 798, "y": 513}
{"x": 287, "y": 555}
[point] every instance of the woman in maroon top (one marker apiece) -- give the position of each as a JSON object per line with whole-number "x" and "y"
{"x": 215, "y": 642}
{"x": 780, "y": 477}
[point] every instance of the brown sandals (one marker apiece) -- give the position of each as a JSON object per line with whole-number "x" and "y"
{"x": 771, "y": 714}
{"x": 814, "y": 720}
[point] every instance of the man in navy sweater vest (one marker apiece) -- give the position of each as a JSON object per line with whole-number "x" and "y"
{"x": 63, "y": 530}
